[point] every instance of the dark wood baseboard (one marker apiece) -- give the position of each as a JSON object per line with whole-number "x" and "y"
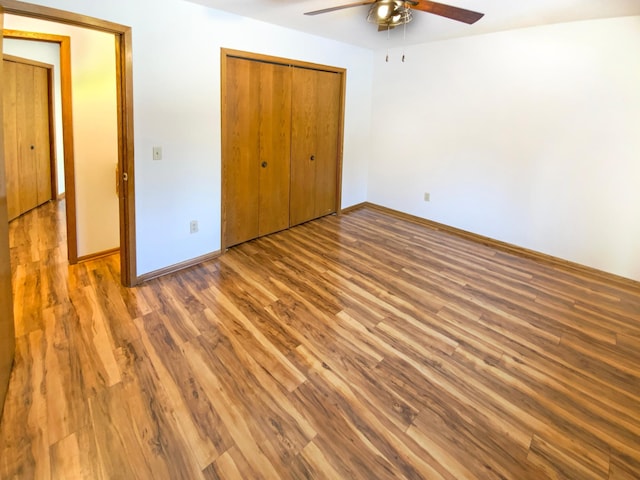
{"x": 95, "y": 256}
{"x": 357, "y": 206}
{"x": 504, "y": 246}
{"x": 176, "y": 267}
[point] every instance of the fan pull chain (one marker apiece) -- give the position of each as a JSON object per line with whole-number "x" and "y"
{"x": 404, "y": 35}
{"x": 388, "y": 37}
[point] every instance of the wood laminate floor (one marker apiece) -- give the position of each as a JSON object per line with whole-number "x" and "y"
{"x": 354, "y": 347}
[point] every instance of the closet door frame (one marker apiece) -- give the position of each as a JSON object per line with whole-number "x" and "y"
{"x": 227, "y": 145}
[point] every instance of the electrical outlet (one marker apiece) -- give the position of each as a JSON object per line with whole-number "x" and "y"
{"x": 427, "y": 196}
{"x": 157, "y": 153}
{"x": 193, "y": 226}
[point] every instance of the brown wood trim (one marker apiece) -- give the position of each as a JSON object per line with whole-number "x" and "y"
{"x": 26, "y": 61}
{"x": 7, "y": 329}
{"x": 259, "y": 57}
{"x": 124, "y": 92}
{"x": 178, "y": 266}
{"x": 59, "y": 16}
{"x": 226, "y": 53}
{"x": 507, "y": 247}
{"x": 124, "y": 39}
{"x": 355, "y": 207}
{"x": 67, "y": 128}
{"x": 36, "y": 36}
{"x": 343, "y": 93}
{"x": 53, "y": 155}
{"x": 95, "y": 256}
{"x": 224, "y": 145}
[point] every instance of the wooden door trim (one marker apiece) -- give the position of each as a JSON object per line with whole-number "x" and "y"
{"x": 7, "y": 329}
{"x": 259, "y": 57}
{"x": 225, "y": 54}
{"x": 124, "y": 86}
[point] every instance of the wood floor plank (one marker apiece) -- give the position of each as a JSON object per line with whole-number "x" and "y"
{"x": 235, "y": 422}
{"x": 224, "y": 467}
{"x": 65, "y": 459}
{"x": 356, "y": 346}
{"x": 19, "y": 458}
{"x": 66, "y": 406}
{"x": 560, "y": 464}
{"x": 193, "y": 413}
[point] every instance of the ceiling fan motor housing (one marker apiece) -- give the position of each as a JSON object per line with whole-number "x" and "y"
{"x": 390, "y": 13}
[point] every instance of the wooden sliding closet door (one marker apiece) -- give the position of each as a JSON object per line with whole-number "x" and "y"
{"x": 257, "y": 152}
{"x": 315, "y": 137}
{"x": 27, "y": 143}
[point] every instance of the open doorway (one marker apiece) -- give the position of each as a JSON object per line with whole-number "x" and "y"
{"x": 126, "y": 194}
{"x": 122, "y": 35}
{"x": 55, "y": 50}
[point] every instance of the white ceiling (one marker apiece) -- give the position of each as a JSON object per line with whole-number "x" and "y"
{"x": 350, "y": 25}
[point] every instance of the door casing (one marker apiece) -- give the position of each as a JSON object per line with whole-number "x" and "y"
{"x": 124, "y": 84}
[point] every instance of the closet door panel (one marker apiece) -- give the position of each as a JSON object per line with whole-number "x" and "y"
{"x": 274, "y": 112}
{"x": 304, "y": 111}
{"x": 25, "y": 120}
{"x": 242, "y": 174}
{"x": 328, "y": 90}
{"x": 12, "y": 170}
{"x": 41, "y": 142}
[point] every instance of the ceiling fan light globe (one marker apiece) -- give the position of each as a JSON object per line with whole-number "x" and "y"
{"x": 383, "y": 11}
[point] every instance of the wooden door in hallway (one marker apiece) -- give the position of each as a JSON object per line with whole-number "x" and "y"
{"x": 315, "y": 138}
{"x": 27, "y": 146}
{"x": 258, "y": 119}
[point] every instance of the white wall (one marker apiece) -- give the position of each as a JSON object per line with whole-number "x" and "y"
{"x": 48, "y": 53}
{"x": 530, "y": 137}
{"x": 176, "y": 67}
{"x": 93, "y": 78}
{"x": 527, "y": 136}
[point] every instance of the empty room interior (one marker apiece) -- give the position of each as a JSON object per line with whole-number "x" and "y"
{"x": 318, "y": 239}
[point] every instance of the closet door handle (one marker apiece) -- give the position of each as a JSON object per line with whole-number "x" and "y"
{"x": 264, "y": 164}
{"x": 313, "y": 157}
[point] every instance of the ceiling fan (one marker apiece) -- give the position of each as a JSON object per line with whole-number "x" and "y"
{"x": 388, "y": 14}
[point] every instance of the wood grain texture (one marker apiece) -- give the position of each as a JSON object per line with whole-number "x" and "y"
{"x": 282, "y": 133}
{"x": 357, "y": 346}
{"x": 26, "y": 121}
{"x": 7, "y": 329}
{"x": 315, "y": 137}
{"x": 257, "y": 150}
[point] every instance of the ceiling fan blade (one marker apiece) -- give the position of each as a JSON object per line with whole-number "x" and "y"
{"x": 454, "y": 13}
{"x": 340, "y": 7}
